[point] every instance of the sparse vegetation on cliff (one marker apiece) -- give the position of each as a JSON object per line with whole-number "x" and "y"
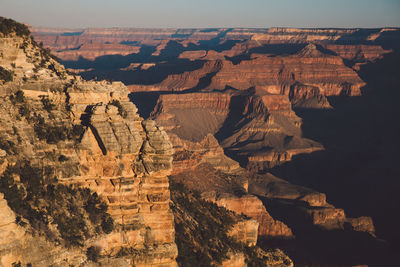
{"x": 17, "y": 97}
{"x": 93, "y": 253}
{"x": 46, "y": 55}
{"x": 78, "y": 213}
{"x": 77, "y": 131}
{"x": 47, "y": 103}
{"x": 24, "y": 111}
{"x": 6, "y": 75}
{"x": 202, "y": 231}
{"x": 7, "y": 146}
{"x": 201, "y": 228}
{"x": 9, "y": 26}
{"x": 53, "y": 134}
{"x": 121, "y": 110}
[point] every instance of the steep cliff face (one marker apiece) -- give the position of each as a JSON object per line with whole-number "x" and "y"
{"x": 304, "y": 206}
{"x": 259, "y": 130}
{"x": 358, "y": 52}
{"x": 209, "y": 234}
{"x": 87, "y": 135}
{"x": 260, "y": 74}
{"x": 19, "y": 246}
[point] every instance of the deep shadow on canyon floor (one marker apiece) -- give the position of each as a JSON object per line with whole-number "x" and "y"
{"x": 359, "y": 169}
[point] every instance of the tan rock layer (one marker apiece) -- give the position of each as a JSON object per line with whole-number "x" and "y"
{"x": 124, "y": 159}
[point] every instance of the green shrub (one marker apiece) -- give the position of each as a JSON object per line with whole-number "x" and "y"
{"x": 51, "y": 133}
{"x": 93, "y": 253}
{"x": 107, "y": 224}
{"x": 62, "y": 158}
{"x": 8, "y": 146}
{"x": 18, "y": 97}
{"x": 203, "y": 237}
{"x": 6, "y": 75}
{"x": 121, "y": 110}
{"x": 37, "y": 198}
{"x": 24, "y": 111}
{"x": 77, "y": 131}
{"x": 9, "y": 26}
{"x": 47, "y": 104}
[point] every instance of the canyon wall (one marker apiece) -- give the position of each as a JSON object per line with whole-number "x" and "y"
{"x": 234, "y": 103}
{"x": 115, "y": 153}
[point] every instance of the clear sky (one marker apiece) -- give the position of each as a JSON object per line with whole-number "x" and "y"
{"x": 203, "y": 13}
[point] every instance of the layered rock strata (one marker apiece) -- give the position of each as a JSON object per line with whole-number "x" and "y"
{"x": 118, "y": 155}
{"x": 93, "y": 51}
{"x": 259, "y": 130}
{"x": 306, "y": 76}
{"x": 305, "y": 207}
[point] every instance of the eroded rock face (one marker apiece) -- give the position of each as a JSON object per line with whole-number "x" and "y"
{"x": 117, "y": 154}
{"x": 303, "y": 207}
{"x": 259, "y": 80}
{"x": 259, "y": 130}
{"x": 306, "y": 77}
{"x": 251, "y": 206}
{"x": 127, "y": 161}
{"x": 18, "y": 245}
{"x": 93, "y": 51}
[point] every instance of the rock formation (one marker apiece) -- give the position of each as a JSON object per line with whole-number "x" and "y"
{"x": 88, "y": 134}
{"x": 260, "y": 130}
{"x": 306, "y": 76}
{"x": 231, "y": 103}
{"x": 205, "y": 233}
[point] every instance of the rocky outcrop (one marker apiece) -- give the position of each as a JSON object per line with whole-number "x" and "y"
{"x": 245, "y": 231}
{"x": 358, "y": 53}
{"x": 197, "y": 219}
{"x": 252, "y": 207}
{"x": 199, "y": 114}
{"x": 90, "y": 136}
{"x": 260, "y": 75}
{"x": 362, "y": 224}
{"x": 234, "y": 260}
{"x": 304, "y": 207}
{"x": 259, "y": 130}
{"x": 127, "y": 161}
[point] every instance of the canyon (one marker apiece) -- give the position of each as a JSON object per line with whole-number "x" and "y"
{"x": 288, "y": 134}
{"x": 84, "y": 178}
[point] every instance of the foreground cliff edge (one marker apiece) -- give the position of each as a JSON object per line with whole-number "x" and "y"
{"x": 84, "y": 177}
{"x": 76, "y": 136}
{"x": 86, "y": 181}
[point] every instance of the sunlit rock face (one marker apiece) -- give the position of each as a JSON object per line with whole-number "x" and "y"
{"x": 116, "y": 153}
{"x": 258, "y": 130}
{"x": 301, "y": 76}
{"x": 229, "y": 100}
